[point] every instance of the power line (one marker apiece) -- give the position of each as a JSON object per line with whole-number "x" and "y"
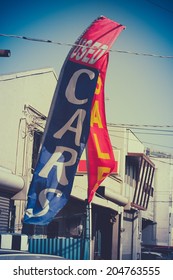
{"x": 140, "y": 128}
{"x": 140, "y": 125}
{"x": 78, "y": 45}
{"x": 152, "y": 131}
{"x": 162, "y": 161}
{"x": 153, "y": 144}
{"x": 159, "y": 6}
{"x": 163, "y": 201}
{"x": 145, "y": 127}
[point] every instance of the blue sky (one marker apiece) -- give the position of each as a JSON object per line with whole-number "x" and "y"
{"x": 138, "y": 88}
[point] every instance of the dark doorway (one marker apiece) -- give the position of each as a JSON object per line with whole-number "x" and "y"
{"x": 102, "y": 232}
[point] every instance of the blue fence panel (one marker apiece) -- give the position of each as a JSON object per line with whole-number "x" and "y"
{"x": 69, "y": 248}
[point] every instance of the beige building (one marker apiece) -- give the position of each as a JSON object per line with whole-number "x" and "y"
{"x": 160, "y": 232}
{"x": 22, "y": 97}
{"x": 120, "y": 202}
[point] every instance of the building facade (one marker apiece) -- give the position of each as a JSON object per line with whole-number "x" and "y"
{"x": 159, "y": 230}
{"x": 112, "y": 227}
{"x": 23, "y": 96}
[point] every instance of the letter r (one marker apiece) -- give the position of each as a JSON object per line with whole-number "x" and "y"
{"x": 61, "y": 166}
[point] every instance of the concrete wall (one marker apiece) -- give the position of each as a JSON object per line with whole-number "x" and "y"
{"x": 33, "y": 88}
{"x": 163, "y": 202}
{"x": 17, "y": 92}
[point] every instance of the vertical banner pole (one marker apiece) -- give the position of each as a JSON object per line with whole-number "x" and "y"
{"x": 89, "y": 216}
{"x": 89, "y": 229}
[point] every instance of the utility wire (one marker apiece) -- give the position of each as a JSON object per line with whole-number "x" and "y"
{"x": 163, "y": 201}
{"x": 139, "y": 125}
{"x": 153, "y": 144}
{"x": 150, "y": 133}
{"x": 159, "y": 6}
{"x": 145, "y": 127}
{"x": 153, "y": 132}
{"x": 162, "y": 161}
{"x": 78, "y": 45}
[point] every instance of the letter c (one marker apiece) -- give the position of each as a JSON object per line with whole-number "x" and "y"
{"x": 70, "y": 90}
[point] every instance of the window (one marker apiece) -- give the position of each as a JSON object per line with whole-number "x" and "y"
{"x": 132, "y": 170}
{"x": 37, "y": 136}
{"x": 144, "y": 178}
{"x": 35, "y": 125}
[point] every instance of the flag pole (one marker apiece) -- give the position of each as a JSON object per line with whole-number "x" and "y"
{"x": 90, "y": 230}
{"x": 89, "y": 216}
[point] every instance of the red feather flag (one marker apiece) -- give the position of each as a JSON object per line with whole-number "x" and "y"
{"x": 100, "y": 157}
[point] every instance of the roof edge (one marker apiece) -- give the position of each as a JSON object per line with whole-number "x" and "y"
{"x": 22, "y": 74}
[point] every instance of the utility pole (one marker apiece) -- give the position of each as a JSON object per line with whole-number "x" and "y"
{"x": 5, "y": 53}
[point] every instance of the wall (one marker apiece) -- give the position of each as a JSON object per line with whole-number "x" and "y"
{"x": 17, "y": 91}
{"x": 163, "y": 202}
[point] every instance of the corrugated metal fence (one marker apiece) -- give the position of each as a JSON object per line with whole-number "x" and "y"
{"x": 4, "y": 213}
{"x": 69, "y": 248}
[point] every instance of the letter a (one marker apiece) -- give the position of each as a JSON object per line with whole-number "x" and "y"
{"x": 80, "y": 114}
{"x": 95, "y": 115}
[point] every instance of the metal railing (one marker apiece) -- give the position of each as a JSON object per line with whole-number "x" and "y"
{"x": 69, "y": 248}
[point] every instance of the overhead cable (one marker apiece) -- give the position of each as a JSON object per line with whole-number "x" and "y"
{"x": 78, "y": 45}
{"x": 135, "y": 140}
{"x": 139, "y": 125}
{"x": 161, "y": 7}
